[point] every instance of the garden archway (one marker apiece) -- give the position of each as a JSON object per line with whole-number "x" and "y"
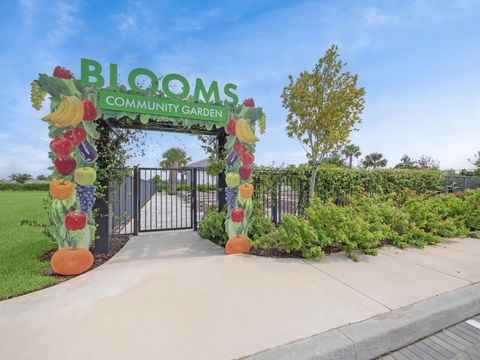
{"x": 84, "y": 111}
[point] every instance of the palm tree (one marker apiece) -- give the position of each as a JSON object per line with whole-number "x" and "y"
{"x": 174, "y": 158}
{"x": 351, "y": 151}
{"x": 374, "y": 160}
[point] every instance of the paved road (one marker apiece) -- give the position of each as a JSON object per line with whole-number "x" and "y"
{"x": 459, "y": 342}
{"x": 172, "y": 295}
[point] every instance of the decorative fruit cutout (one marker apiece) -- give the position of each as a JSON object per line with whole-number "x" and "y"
{"x": 68, "y": 113}
{"x": 74, "y": 221}
{"x": 232, "y": 179}
{"x": 61, "y": 146}
{"x": 249, "y": 103}
{"x": 239, "y": 148}
{"x": 76, "y": 136}
{"x": 237, "y": 215}
{"x": 230, "y": 129}
{"x": 87, "y": 152}
{"x": 63, "y": 73}
{"x": 238, "y": 245}
{"x": 245, "y": 172}
{"x": 65, "y": 164}
{"x": 61, "y": 189}
{"x": 246, "y": 191}
{"x": 68, "y": 261}
{"x": 247, "y": 158}
{"x": 85, "y": 176}
{"x": 89, "y": 110}
{"x": 231, "y": 160}
{"x": 244, "y": 132}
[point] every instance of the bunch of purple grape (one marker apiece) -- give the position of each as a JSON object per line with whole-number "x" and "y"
{"x": 231, "y": 194}
{"x": 86, "y": 196}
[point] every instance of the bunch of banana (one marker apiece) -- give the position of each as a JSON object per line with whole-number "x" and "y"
{"x": 244, "y": 132}
{"x": 69, "y": 112}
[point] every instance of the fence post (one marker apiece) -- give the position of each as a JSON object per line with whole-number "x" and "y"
{"x": 103, "y": 218}
{"x": 135, "y": 200}
{"x": 193, "y": 195}
{"x": 222, "y": 184}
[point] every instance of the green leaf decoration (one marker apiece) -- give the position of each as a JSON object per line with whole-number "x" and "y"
{"x": 144, "y": 118}
{"x": 91, "y": 129}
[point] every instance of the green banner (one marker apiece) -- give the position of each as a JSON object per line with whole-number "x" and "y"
{"x": 139, "y": 104}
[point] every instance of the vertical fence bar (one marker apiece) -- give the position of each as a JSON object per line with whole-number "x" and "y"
{"x": 135, "y": 201}
{"x": 194, "y": 198}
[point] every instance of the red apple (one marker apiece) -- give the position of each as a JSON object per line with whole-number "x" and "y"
{"x": 76, "y": 136}
{"x": 249, "y": 103}
{"x": 74, "y": 221}
{"x": 237, "y": 215}
{"x": 245, "y": 172}
{"x": 231, "y": 127}
{"x": 65, "y": 164}
{"x": 89, "y": 110}
{"x": 61, "y": 146}
{"x": 239, "y": 148}
{"x": 247, "y": 158}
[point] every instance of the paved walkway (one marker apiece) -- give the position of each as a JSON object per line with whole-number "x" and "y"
{"x": 459, "y": 342}
{"x": 175, "y": 296}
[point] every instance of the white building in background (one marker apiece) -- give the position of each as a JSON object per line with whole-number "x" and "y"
{"x": 202, "y": 176}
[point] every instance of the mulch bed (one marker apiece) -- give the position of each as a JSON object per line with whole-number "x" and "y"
{"x": 98, "y": 259}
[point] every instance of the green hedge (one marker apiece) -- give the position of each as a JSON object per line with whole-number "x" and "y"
{"x": 337, "y": 183}
{"x": 4, "y": 186}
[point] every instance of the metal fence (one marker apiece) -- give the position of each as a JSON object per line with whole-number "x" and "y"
{"x": 283, "y": 193}
{"x": 454, "y": 183}
{"x": 156, "y": 199}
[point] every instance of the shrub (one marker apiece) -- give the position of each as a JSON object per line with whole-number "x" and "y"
{"x": 294, "y": 235}
{"x": 342, "y": 227}
{"x": 4, "y": 186}
{"x": 472, "y": 209}
{"x": 441, "y": 216}
{"x": 213, "y": 226}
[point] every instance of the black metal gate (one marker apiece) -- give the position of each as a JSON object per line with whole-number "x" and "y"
{"x": 157, "y": 199}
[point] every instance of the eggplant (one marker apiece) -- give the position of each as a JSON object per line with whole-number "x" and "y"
{"x": 231, "y": 160}
{"x": 87, "y": 152}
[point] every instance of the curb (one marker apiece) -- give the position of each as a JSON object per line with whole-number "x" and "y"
{"x": 383, "y": 333}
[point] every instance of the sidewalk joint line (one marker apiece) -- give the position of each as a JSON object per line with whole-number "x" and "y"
{"x": 350, "y": 287}
{"x": 353, "y": 342}
{"x": 429, "y": 268}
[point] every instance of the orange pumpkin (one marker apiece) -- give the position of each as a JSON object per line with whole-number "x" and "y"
{"x": 238, "y": 245}
{"x": 246, "y": 190}
{"x": 61, "y": 189}
{"x": 68, "y": 261}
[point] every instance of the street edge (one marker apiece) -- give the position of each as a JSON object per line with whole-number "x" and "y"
{"x": 383, "y": 333}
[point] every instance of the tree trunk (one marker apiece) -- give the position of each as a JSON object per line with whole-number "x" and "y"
{"x": 313, "y": 179}
{"x": 173, "y": 179}
{"x": 350, "y": 161}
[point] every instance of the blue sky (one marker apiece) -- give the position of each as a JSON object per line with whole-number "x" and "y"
{"x": 418, "y": 60}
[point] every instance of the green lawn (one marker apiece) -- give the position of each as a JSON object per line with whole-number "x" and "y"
{"x": 22, "y": 246}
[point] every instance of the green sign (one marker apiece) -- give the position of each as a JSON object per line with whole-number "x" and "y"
{"x": 139, "y": 104}
{"x": 92, "y": 74}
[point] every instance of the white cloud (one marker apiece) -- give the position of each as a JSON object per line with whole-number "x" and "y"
{"x": 65, "y": 22}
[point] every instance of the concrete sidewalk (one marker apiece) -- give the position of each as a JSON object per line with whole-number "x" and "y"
{"x": 176, "y": 296}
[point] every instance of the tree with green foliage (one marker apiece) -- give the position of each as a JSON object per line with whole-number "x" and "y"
{"x": 351, "y": 151}
{"x": 323, "y": 108}
{"x": 427, "y": 163}
{"x": 44, "y": 177}
{"x": 20, "y": 178}
{"x": 406, "y": 162}
{"x": 476, "y": 160}
{"x": 374, "y": 160}
{"x": 174, "y": 157}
